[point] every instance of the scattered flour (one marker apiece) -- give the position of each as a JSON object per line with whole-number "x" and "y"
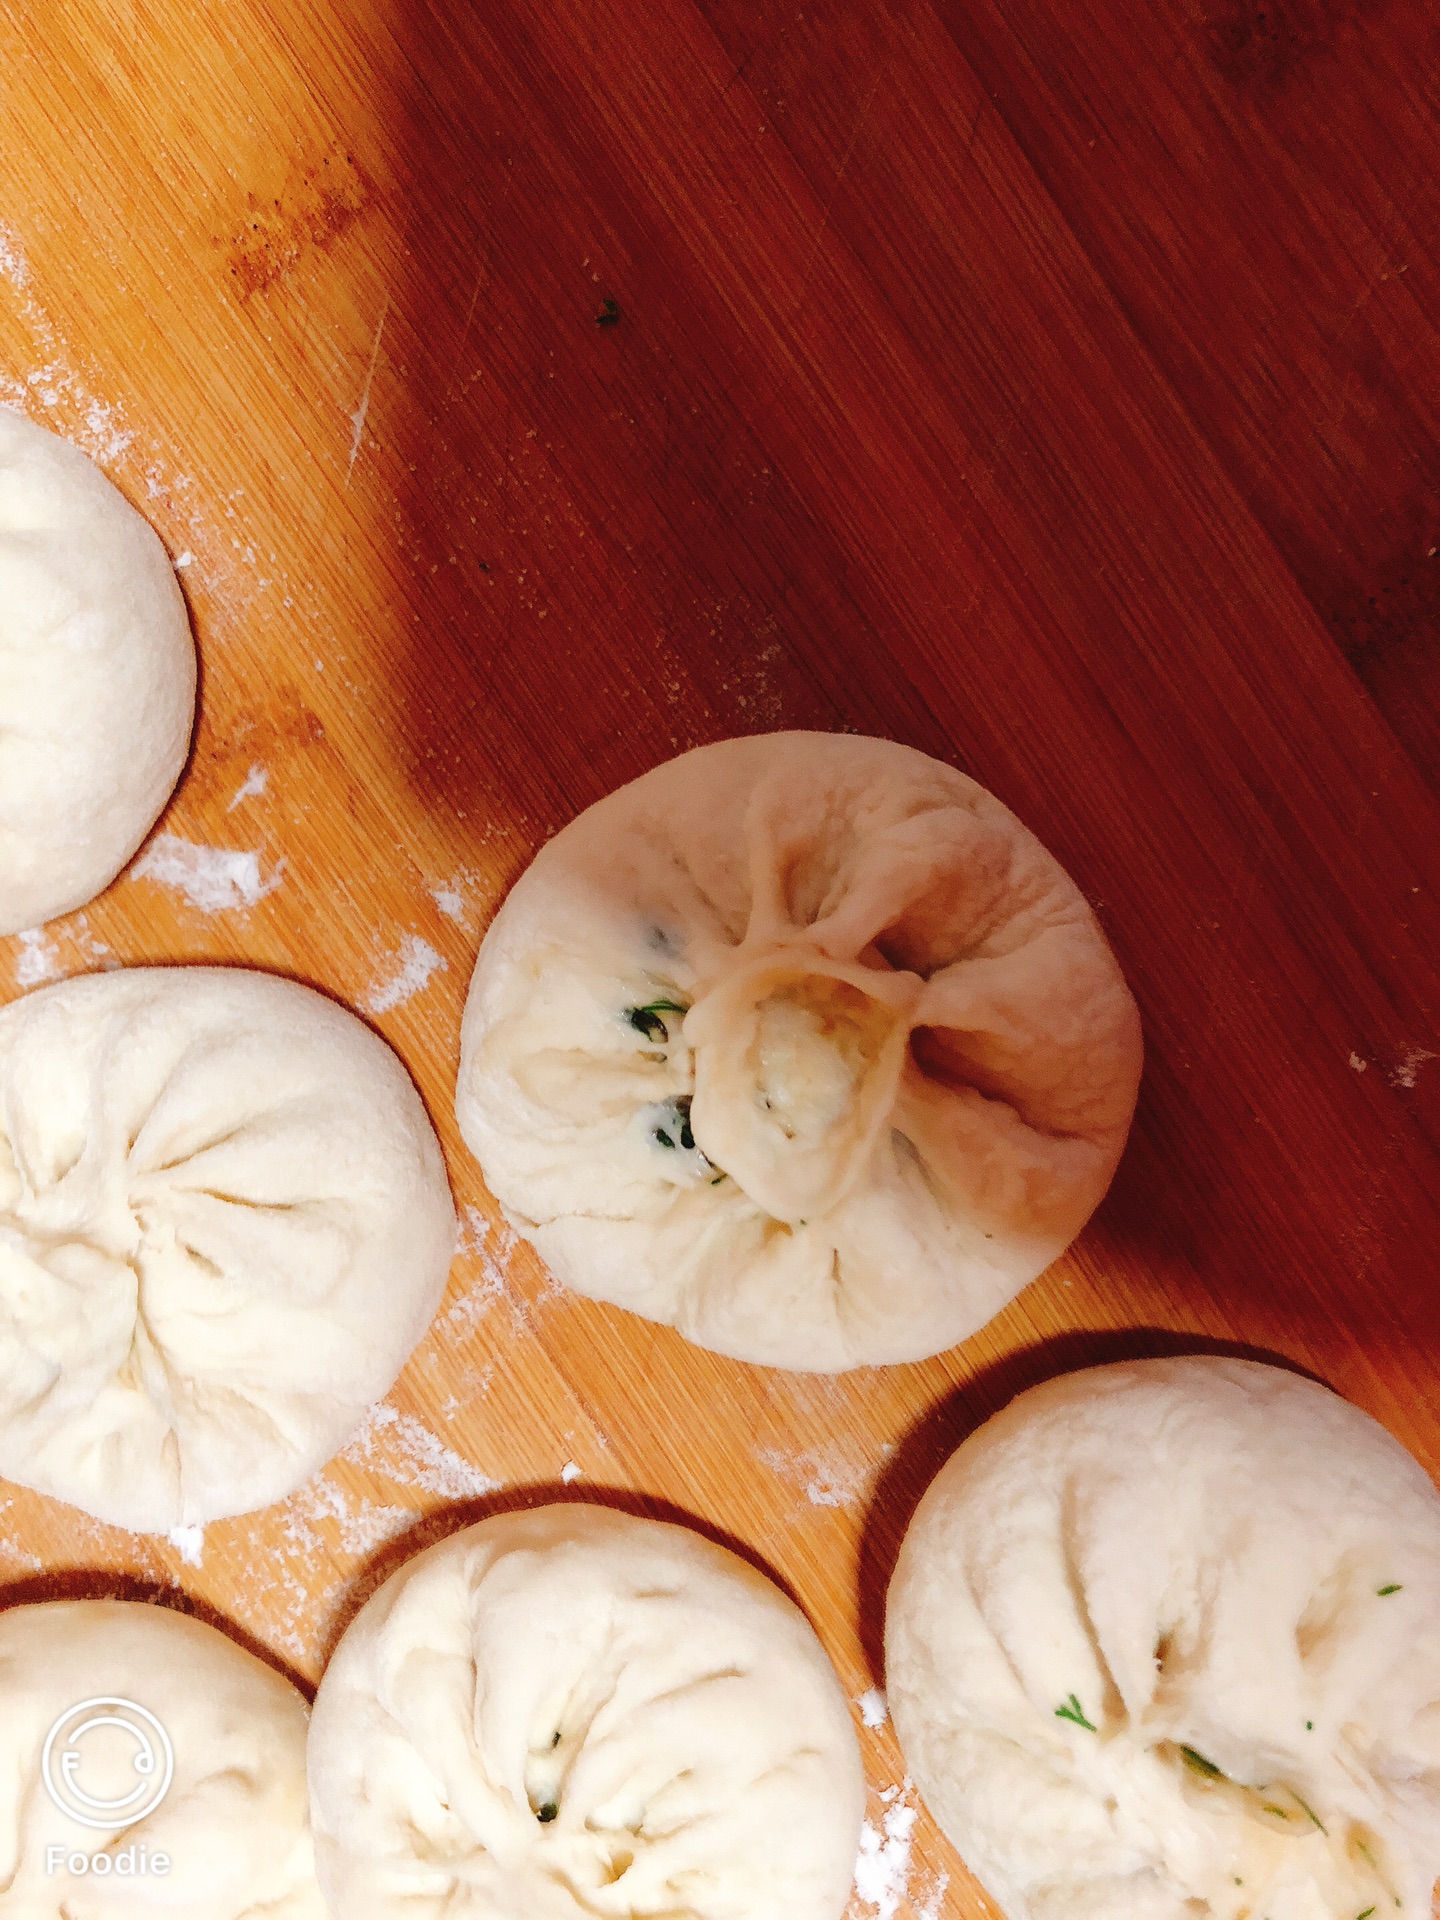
{"x": 829, "y": 1479}
{"x": 13, "y": 264}
{"x": 451, "y": 903}
{"x": 183, "y": 560}
{"x": 1410, "y": 1064}
{"x": 255, "y": 781}
{"x": 189, "y": 1543}
{"x": 108, "y": 440}
{"x": 38, "y": 959}
{"x": 297, "y": 1591}
{"x": 493, "y": 1245}
{"x": 418, "y": 960}
{"x": 20, "y": 1557}
{"x": 935, "y": 1899}
{"x": 882, "y": 1869}
{"x": 874, "y": 1708}
{"x": 92, "y": 948}
{"x": 1357, "y": 1063}
{"x": 211, "y": 878}
{"x": 569, "y": 1473}
{"x": 373, "y": 1526}
{"x": 405, "y": 1451}
{"x": 234, "y": 575}
{"x": 361, "y": 413}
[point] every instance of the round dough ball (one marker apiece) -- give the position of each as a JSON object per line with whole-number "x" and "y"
{"x": 224, "y": 1223}
{"x": 1163, "y": 1643}
{"x": 567, "y": 1713}
{"x": 97, "y": 677}
{"x": 802, "y": 1044}
{"x": 231, "y": 1830}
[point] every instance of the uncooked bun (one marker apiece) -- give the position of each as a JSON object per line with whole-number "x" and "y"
{"x": 803, "y": 1044}
{"x": 97, "y": 677}
{"x": 1164, "y": 1644}
{"x": 224, "y": 1223}
{"x": 568, "y": 1713}
{"x": 232, "y": 1831}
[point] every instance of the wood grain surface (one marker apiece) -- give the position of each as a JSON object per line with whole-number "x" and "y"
{"x": 532, "y": 391}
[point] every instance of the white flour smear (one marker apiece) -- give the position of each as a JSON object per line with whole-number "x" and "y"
{"x": 882, "y": 1871}
{"x": 255, "y": 781}
{"x": 189, "y": 1543}
{"x": 492, "y": 1245}
{"x": 874, "y": 1708}
{"x": 1411, "y": 1062}
{"x": 934, "y": 1905}
{"x": 38, "y": 960}
{"x": 53, "y": 392}
{"x": 405, "y": 1451}
{"x": 17, "y": 1559}
{"x": 298, "y": 1591}
{"x": 418, "y": 961}
{"x": 214, "y": 879}
{"x": 101, "y": 431}
{"x": 453, "y": 896}
{"x": 828, "y": 1478}
{"x": 13, "y": 264}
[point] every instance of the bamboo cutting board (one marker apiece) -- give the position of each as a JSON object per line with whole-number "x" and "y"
{"x": 529, "y": 392}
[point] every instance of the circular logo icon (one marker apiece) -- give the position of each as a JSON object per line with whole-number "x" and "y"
{"x": 120, "y": 1804}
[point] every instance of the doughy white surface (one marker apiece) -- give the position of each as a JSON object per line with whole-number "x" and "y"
{"x": 1163, "y": 1641}
{"x": 97, "y": 677}
{"x": 911, "y": 1054}
{"x": 568, "y": 1713}
{"x": 224, "y": 1223}
{"x": 234, "y": 1824}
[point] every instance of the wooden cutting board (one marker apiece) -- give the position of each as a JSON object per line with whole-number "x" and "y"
{"x": 529, "y": 391}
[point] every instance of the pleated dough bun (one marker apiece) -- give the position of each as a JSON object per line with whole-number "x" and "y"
{"x": 232, "y": 1828}
{"x": 1164, "y": 1644}
{"x": 803, "y": 1044}
{"x": 224, "y": 1223}
{"x": 568, "y": 1713}
{"x": 97, "y": 677}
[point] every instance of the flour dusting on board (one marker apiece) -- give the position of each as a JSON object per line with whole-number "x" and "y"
{"x": 493, "y": 1244}
{"x": 38, "y": 960}
{"x": 19, "y": 1558}
{"x": 882, "y": 1870}
{"x": 255, "y": 781}
{"x": 417, "y": 962}
{"x": 189, "y": 1543}
{"x": 53, "y": 392}
{"x": 935, "y": 1897}
{"x": 453, "y": 896}
{"x": 108, "y": 439}
{"x": 406, "y": 1452}
{"x": 829, "y": 1479}
{"x": 1410, "y": 1063}
{"x": 13, "y": 264}
{"x": 210, "y": 878}
{"x": 294, "y": 1594}
{"x": 874, "y": 1708}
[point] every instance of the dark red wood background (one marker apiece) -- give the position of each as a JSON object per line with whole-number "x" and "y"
{"x": 546, "y": 386}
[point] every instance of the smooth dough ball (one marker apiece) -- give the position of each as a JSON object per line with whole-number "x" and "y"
{"x": 97, "y": 677}
{"x": 802, "y": 1044}
{"x": 568, "y": 1713}
{"x": 1163, "y": 1643}
{"x": 224, "y": 1223}
{"x": 231, "y": 1830}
